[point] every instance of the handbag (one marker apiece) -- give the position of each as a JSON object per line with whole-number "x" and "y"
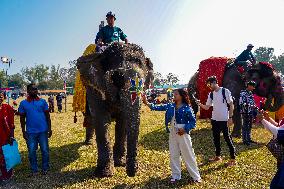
{"x": 11, "y": 155}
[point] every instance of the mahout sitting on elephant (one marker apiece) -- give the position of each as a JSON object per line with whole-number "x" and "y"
{"x": 114, "y": 81}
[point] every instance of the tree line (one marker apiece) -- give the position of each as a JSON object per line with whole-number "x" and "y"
{"x": 46, "y": 77}
{"x": 53, "y": 77}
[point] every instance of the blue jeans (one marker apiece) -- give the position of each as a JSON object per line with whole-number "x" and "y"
{"x": 41, "y": 139}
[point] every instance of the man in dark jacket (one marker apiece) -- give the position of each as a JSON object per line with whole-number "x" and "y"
{"x": 59, "y": 98}
{"x": 109, "y": 33}
{"x": 245, "y": 56}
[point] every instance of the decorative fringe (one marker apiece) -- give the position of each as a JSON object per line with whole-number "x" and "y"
{"x": 79, "y": 98}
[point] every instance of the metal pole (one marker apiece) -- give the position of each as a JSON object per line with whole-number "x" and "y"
{"x": 65, "y": 101}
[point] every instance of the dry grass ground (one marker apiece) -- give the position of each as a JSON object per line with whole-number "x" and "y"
{"x": 73, "y": 163}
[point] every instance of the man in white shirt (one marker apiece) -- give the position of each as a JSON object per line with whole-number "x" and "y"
{"x": 221, "y": 100}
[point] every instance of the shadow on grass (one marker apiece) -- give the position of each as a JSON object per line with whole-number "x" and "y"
{"x": 159, "y": 182}
{"x": 60, "y": 158}
{"x": 202, "y": 143}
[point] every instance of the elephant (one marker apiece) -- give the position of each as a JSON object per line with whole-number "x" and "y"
{"x": 107, "y": 77}
{"x": 269, "y": 85}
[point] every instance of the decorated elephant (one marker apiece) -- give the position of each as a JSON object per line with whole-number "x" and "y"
{"x": 269, "y": 84}
{"x": 114, "y": 81}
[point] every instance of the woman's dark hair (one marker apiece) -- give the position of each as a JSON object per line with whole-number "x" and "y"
{"x": 3, "y": 93}
{"x": 184, "y": 96}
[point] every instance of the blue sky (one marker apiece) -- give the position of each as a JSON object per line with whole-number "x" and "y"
{"x": 176, "y": 34}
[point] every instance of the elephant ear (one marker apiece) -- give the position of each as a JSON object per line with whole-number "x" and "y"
{"x": 90, "y": 66}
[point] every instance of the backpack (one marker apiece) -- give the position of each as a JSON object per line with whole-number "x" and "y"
{"x": 224, "y": 97}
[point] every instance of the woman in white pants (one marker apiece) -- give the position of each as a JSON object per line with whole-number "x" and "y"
{"x": 181, "y": 118}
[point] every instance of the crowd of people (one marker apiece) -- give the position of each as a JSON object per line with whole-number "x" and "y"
{"x": 179, "y": 120}
{"x": 59, "y": 98}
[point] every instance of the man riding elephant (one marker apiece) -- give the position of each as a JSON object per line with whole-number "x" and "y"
{"x": 245, "y": 56}
{"x": 109, "y": 33}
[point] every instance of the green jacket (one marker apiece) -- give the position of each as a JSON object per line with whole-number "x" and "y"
{"x": 110, "y": 34}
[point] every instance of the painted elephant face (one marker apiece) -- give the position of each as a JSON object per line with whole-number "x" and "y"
{"x": 268, "y": 81}
{"x": 112, "y": 70}
{"x": 269, "y": 85}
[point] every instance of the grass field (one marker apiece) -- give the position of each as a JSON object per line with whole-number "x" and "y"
{"x": 73, "y": 163}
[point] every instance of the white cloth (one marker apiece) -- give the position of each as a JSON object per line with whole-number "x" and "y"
{"x": 220, "y": 110}
{"x": 181, "y": 146}
{"x": 272, "y": 128}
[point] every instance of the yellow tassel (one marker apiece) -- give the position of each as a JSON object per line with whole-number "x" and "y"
{"x": 79, "y": 98}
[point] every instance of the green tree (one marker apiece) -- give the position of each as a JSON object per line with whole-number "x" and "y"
{"x": 3, "y": 79}
{"x": 172, "y": 79}
{"x": 278, "y": 63}
{"x": 36, "y": 74}
{"x": 157, "y": 79}
{"x": 54, "y": 80}
{"x": 264, "y": 54}
{"x": 16, "y": 80}
{"x": 69, "y": 73}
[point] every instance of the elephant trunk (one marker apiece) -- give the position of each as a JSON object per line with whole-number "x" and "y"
{"x": 278, "y": 102}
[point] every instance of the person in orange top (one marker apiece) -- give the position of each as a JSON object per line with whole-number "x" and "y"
{"x": 6, "y": 133}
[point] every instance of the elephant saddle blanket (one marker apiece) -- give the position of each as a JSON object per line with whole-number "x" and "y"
{"x": 209, "y": 67}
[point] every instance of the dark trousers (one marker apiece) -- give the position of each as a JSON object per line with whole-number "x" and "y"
{"x": 217, "y": 128}
{"x": 278, "y": 180}
{"x": 59, "y": 105}
{"x": 41, "y": 139}
{"x": 246, "y": 127}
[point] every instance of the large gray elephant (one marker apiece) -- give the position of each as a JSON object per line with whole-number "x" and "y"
{"x": 268, "y": 81}
{"x": 111, "y": 97}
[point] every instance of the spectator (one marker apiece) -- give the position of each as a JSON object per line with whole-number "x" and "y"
{"x": 247, "y": 110}
{"x": 36, "y": 128}
{"x": 6, "y": 133}
{"x": 220, "y": 98}
{"x": 59, "y": 98}
{"x": 180, "y": 115}
{"x": 277, "y": 129}
{"x": 51, "y": 103}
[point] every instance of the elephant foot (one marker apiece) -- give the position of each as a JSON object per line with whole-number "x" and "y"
{"x": 119, "y": 162}
{"x": 101, "y": 172}
{"x": 131, "y": 169}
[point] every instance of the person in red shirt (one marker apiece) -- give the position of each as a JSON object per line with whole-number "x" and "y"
{"x": 6, "y": 133}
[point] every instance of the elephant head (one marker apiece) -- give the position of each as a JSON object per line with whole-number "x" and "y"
{"x": 269, "y": 85}
{"x": 110, "y": 72}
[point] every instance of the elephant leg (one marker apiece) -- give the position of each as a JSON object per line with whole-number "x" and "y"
{"x": 105, "y": 166}
{"x": 132, "y": 140}
{"x": 237, "y": 124}
{"x": 119, "y": 145}
{"x": 89, "y": 135}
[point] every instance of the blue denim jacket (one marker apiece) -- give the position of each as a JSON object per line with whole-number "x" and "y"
{"x": 184, "y": 115}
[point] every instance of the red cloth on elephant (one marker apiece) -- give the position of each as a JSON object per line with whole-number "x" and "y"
{"x": 6, "y": 127}
{"x": 211, "y": 66}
